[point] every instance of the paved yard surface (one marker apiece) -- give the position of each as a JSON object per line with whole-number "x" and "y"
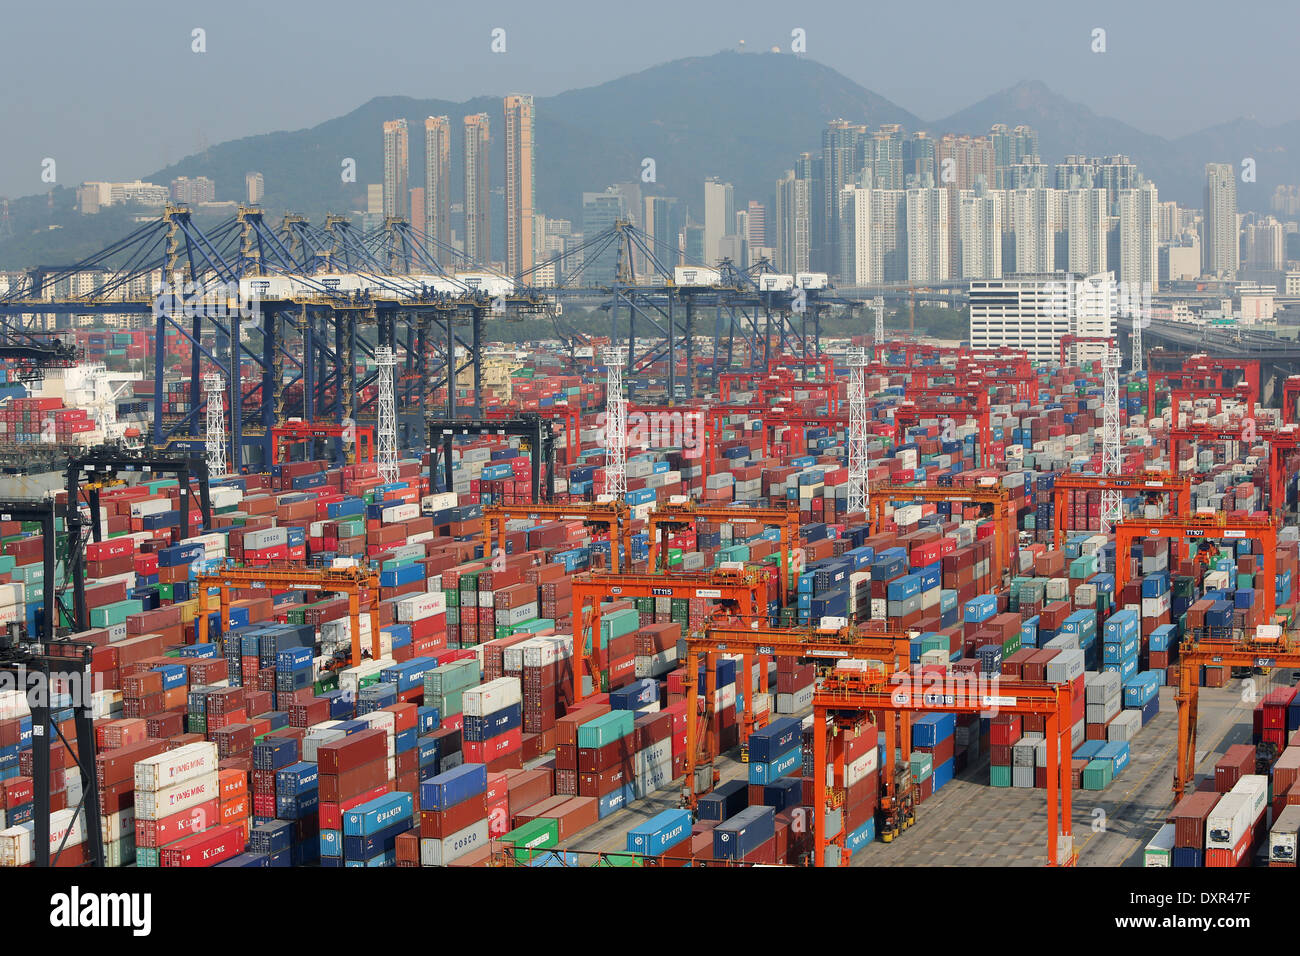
{"x": 969, "y": 823}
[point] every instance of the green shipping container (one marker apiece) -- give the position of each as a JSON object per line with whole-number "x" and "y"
{"x": 605, "y": 729}
{"x": 540, "y": 834}
{"x": 1097, "y": 775}
{"x": 115, "y": 613}
{"x": 999, "y": 776}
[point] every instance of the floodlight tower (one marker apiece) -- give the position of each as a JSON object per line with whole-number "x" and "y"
{"x": 857, "y": 362}
{"x": 615, "y": 423}
{"x": 386, "y": 361}
{"x": 1110, "y": 439}
{"x": 216, "y": 426}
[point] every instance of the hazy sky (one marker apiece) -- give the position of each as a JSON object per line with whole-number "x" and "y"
{"x": 112, "y": 90}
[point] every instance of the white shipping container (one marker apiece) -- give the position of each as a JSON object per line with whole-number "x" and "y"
{"x": 859, "y": 769}
{"x": 116, "y": 826}
{"x": 407, "y": 511}
{"x": 490, "y": 697}
{"x": 156, "y": 804}
{"x": 350, "y": 677}
{"x": 654, "y": 777}
{"x": 150, "y": 506}
{"x": 419, "y": 606}
{"x": 384, "y": 720}
{"x": 176, "y": 766}
{"x": 656, "y": 753}
{"x": 547, "y": 650}
{"x": 266, "y": 538}
{"x": 517, "y": 615}
{"x": 444, "y": 851}
{"x": 16, "y": 847}
{"x": 13, "y": 704}
{"x": 794, "y": 703}
{"x": 1227, "y": 822}
{"x": 724, "y": 697}
{"x": 439, "y": 502}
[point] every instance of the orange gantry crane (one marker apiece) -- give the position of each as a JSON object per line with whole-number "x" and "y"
{"x": 739, "y": 592}
{"x": 1177, "y": 487}
{"x": 1290, "y": 391}
{"x": 1067, "y": 340}
{"x": 998, "y": 498}
{"x": 1271, "y": 649}
{"x": 1281, "y": 442}
{"x": 614, "y": 516}
{"x": 1209, "y": 372}
{"x": 1190, "y": 393}
{"x": 854, "y": 693}
{"x": 673, "y": 514}
{"x": 926, "y": 402}
{"x": 351, "y": 581}
{"x": 871, "y": 639}
{"x": 797, "y": 423}
{"x": 296, "y": 431}
{"x": 1201, "y": 527}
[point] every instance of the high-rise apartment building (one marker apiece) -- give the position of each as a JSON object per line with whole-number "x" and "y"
{"x": 885, "y": 157}
{"x": 520, "y": 164}
{"x": 599, "y": 213}
{"x": 1265, "y": 245}
{"x": 1139, "y": 237}
{"x": 756, "y": 218}
{"x": 1033, "y": 218}
{"x": 874, "y": 235}
{"x": 1086, "y": 228}
{"x": 1219, "y": 249}
{"x": 478, "y": 189}
{"x": 928, "y": 247}
{"x": 437, "y": 180}
{"x": 417, "y": 206}
{"x": 979, "y": 246}
{"x": 920, "y": 161}
{"x": 193, "y": 191}
{"x": 794, "y": 201}
{"x": 719, "y": 217}
{"x": 841, "y": 162}
{"x": 964, "y": 161}
{"x": 665, "y": 222}
{"x": 254, "y": 188}
{"x": 397, "y": 157}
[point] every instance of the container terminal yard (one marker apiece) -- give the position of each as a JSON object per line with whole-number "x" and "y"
{"x": 347, "y": 584}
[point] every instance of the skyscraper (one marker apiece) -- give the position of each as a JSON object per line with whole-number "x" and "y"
{"x": 1219, "y": 251}
{"x": 599, "y": 213}
{"x": 927, "y": 235}
{"x": 979, "y": 246}
{"x": 719, "y": 217}
{"x": 520, "y": 163}
{"x": 1033, "y": 220}
{"x": 964, "y": 161}
{"x": 1086, "y": 227}
{"x": 665, "y": 221}
{"x": 1139, "y": 237}
{"x": 478, "y": 192}
{"x": 842, "y": 160}
{"x": 793, "y": 222}
{"x": 397, "y": 197}
{"x": 437, "y": 179}
{"x": 757, "y": 222}
{"x": 254, "y": 187}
